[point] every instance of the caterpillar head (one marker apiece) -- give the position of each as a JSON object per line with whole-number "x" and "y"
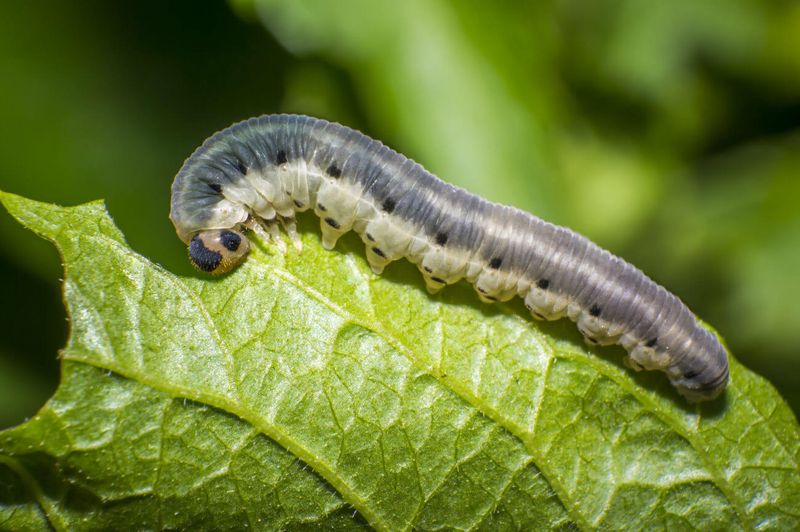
{"x": 218, "y": 251}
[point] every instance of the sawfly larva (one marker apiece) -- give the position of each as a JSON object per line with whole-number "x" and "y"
{"x": 258, "y": 173}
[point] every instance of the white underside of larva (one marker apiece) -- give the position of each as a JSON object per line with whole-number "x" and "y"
{"x": 280, "y": 192}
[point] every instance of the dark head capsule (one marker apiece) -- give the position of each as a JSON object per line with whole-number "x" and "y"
{"x": 218, "y": 251}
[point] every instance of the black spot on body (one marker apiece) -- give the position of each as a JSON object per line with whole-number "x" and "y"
{"x": 437, "y": 280}
{"x": 543, "y": 283}
{"x": 441, "y": 238}
{"x": 215, "y": 187}
{"x": 539, "y": 315}
{"x": 388, "y": 205}
{"x": 280, "y": 157}
{"x": 691, "y": 374}
{"x": 241, "y": 167}
{"x": 379, "y": 252}
{"x": 495, "y": 263}
{"x": 321, "y": 207}
{"x": 490, "y": 298}
{"x": 333, "y": 223}
{"x": 591, "y": 340}
{"x": 370, "y": 237}
{"x": 334, "y": 171}
{"x": 298, "y": 204}
{"x": 202, "y": 257}
{"x": 427, "y": 269}
{"x": 230, "y": 240}
{"x": 652, "y": 342}
{"x": 595, "y": 310}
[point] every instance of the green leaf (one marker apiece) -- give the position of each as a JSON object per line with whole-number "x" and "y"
{"x": 302, "y": 390}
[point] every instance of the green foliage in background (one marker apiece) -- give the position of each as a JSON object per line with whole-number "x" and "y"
{"x": 302, "y": 390}
{"x": 667, "y": 132}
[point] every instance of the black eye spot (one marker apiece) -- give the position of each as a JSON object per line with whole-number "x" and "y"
{"x": 591, "y": 340}
{"x": 333, "y": 223}
{"x": 370, "y": 237}
{"x": 543, "y": 283}
{"x": 298, "y": 204}
{"x": 437, "y": 280}
{"x": 388, "y": 205}
{"x": 230, "y": 240}
{"x": 215, "y": 187}
{"x": 202, "y": 257}
{"x": 481, "y": 290}
{"x": 495, "y": 263}
{"x": 379, "y": 252}
{"x": 321, "y": 207}
{"x": 334, "y": 171}
{"x": 691, "y": 374}
{"x": 280, "y": 157}
{"x": 595, "y": 310}
{"x": 241, "y": 167}
{"x": 539, "y": 315}
{"x": 490, "y": 298}
{"x": 427, "y": 269}
{"x": 441, "y": 238}
{"x": 652, "y": 342}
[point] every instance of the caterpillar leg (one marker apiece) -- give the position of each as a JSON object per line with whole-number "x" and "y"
{"x": 433, "y": 285}
{"x": 290, "y": 226}
{"x": 376, "y": 259}
{"x": 268, "y": 231}
{"x": 275, "y": 233}
{"x": 632, "y": 364}
{"x": 329, "y": 235}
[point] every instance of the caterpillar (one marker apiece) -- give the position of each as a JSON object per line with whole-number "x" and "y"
{"x": 257, "y": 174}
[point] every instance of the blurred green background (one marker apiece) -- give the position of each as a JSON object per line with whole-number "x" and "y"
{"x": 668, "y": 132}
